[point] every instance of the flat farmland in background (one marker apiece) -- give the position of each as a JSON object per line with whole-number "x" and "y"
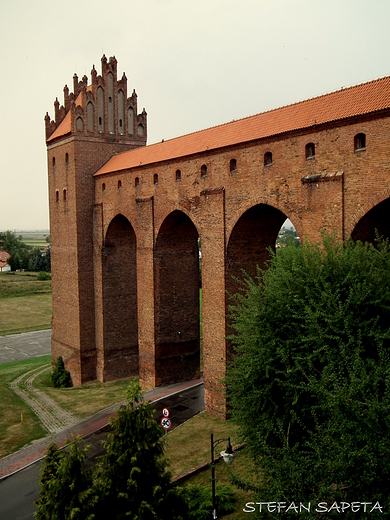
{"x": 25, "y": 303}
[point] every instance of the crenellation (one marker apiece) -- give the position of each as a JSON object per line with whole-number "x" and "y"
{"x": 125, "y": 257}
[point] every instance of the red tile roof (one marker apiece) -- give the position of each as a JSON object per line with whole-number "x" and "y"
{"x": 342, "y": 104}
{"x": 4, "y": 256}
{"x": 64, "y": 127}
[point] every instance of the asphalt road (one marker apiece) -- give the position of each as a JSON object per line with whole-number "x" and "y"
{"x": 19, "y": 492}
{"x": 23, "y": 346}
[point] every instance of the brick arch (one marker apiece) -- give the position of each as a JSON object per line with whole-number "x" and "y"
{"x": 252, "y": 235}
{"x": 285, "y": 209}
{"x": 120, "y": 316}
{"x": 364, "y": 210}
{"x": 171, "y": 208}
{"x": 376, "y": 220}
{"x": 176, "y": 301}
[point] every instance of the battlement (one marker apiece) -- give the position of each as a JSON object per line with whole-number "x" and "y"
{"x": 99, "y": 109}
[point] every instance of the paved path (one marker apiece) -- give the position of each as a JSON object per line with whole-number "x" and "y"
{"x": 53, "y": 418}
{"x": 23, "y": 346}
{"x": 182, "y": 404}
{"x": 19, "y": 492}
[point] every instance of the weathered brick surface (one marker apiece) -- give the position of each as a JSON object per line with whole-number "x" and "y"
{"x": 125, "y": 257}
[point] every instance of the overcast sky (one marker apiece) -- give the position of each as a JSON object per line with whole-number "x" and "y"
{"x": 193, "y": 64}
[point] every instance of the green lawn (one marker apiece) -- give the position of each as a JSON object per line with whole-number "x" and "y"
{"x": 13, "y": 434}
{"x": 87, "y": 399}
{"x": 189, "y": 446}
{"x": 25, "y": 303}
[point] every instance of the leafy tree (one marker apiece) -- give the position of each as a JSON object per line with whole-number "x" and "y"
{"x": 310, "y": 384}
{"x": 129, "y": 481}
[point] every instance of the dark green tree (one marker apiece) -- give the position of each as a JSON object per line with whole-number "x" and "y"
{"x": 61, "y": 377}
{"x": 132, "y": 478}
{"x": 65, "y": 489}
{"x": 129, "y": 481}
{"x": 310, "y": 382}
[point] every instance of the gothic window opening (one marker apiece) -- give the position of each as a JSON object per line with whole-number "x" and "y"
{"x": 233, "y": 165}
{"x": 310, "y": 151}
{"x": 360, "y": 142}
{"x": 267, "y": 159}
{"x": 178, "y": 175}
{"x": 203, "y": 170}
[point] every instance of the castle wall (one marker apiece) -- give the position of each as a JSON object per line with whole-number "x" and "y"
{"x": 125, "y": 259}
{"x": 238, "y": 214}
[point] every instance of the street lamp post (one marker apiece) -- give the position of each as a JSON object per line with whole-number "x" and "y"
{"x": 227, "y": 456}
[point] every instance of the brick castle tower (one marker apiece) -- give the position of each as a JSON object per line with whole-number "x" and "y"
{"x": 95, "y": 122}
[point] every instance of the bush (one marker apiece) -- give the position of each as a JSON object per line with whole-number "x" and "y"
{"x": 43, "y": 275}
{"x": 200, "y": 503}
{"x": 61, "y": 377}
{"x": 310, "y": 384}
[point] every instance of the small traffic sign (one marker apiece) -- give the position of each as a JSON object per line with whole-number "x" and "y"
{"x": 165, "y": 412}
{"x": 166, "y": 423}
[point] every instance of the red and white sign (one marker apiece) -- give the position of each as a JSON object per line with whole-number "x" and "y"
{"x": 165, "y": 412}
{"x": 166, "y": 423}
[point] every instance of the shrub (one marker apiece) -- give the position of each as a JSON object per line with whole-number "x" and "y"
{"x": 60, "y": 376}
{"x": 43, "y": 275}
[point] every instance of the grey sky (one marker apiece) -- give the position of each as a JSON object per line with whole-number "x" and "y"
{"x": 194, "y": 64}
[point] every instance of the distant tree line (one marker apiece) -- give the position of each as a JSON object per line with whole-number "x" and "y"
{"x": 23, "y": 256}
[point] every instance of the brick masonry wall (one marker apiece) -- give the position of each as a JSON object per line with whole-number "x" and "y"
{"x": 235, "y": 214}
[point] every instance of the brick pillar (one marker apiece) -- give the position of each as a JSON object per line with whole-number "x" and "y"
{"x": 145, "y": 290}
{"x": 213, "y": 295}
{"x": 98, "y": 240}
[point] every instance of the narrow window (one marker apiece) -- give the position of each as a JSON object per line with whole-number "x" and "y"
{"x": 310, "y": 150}
{"x": 136, "y": 182}
{"x": 140, "y": 130}
{"x": 67, "y": 159}
{"x": 155, "y": 178}
{"x": 130, "y": 121}
{"x": 79, "y": 124}
{"x": 233, "y": 165}
{"x": 64, "y": 194}
{"x": 121, "y": 110}
{"x": 103, "y": 187}
{"x": 90, "y": 117}
{"x": 360, "y": 142}
{"x": 178, "y": 175}
{"x": 119, "y": 185}
{"x": 100, "y": 106}
{"x": 54, "y": 162}
{"x": 57, "y": 196}
{"x": 110, "y": 88}
{"x": 203, "y": 170}
{"x": 267, "y": 159}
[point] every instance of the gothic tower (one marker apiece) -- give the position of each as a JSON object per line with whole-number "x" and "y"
{"x": 95, "y": 122}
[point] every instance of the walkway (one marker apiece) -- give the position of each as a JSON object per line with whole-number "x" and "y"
{"x": 22, "y": 346}
{"x": 53, "y": 418}
{"x": 182, "y": 404}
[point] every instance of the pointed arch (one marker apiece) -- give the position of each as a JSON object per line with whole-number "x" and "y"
{"x": 120, "y": 313}
{"x": 177, "y": 308}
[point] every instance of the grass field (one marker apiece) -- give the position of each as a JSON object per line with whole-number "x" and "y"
{"x": 13, "y": 434}
{"x": 189, "y": 446}
{"x": 87, "y": 399}
{"x": 25, "y": 303}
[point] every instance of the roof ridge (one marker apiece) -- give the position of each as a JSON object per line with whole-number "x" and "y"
{"x": 296, "y": 103}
